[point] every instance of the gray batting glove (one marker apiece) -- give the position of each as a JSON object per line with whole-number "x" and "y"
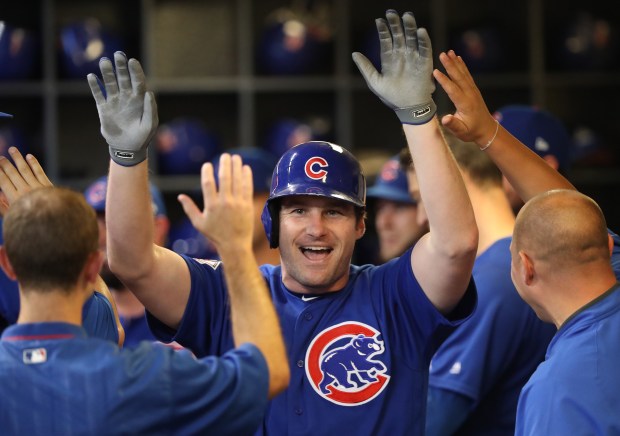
{"x": 405, "y": 83}
{"x": 127, "y": 112}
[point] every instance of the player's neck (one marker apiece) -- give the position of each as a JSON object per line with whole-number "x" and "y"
{"x": 51, "y": 306}
{"x": 493, "y": 215}
{"x": 266, "y": 255}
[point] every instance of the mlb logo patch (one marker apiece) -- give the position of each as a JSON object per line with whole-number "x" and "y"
{"x": 33, "y": 356}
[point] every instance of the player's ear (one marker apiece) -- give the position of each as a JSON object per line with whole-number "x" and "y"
{"x": 528, "y": 270}
{"x": 360, "y": 225}
{"x": 6, "y": 264}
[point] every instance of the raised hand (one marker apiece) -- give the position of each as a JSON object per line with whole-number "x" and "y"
{"x": 228, "y": 214}
{"x": 472, "y": 121}
{"x": 127, "y": 111}
{"x": 405, "y": 83}
{"x": 19, "y": 178}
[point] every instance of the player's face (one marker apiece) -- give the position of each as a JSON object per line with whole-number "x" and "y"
{"x": 317, "y": 237}
{"x": 397, "y": 227}
{"x": 517, "y": 274}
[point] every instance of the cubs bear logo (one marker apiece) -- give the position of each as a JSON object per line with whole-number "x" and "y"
{"x": 342, "y": 364}
{"x": 311, "y": 168}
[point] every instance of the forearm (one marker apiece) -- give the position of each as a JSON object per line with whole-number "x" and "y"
{"x": 129, "y": 221}
{"x": 450, "y": 214}
{"x": 253, "y": 316}
{"x": 446, "y": 411}
{"x": 528, "y": 173}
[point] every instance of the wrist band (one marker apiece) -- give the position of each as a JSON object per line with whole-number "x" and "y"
{"x": 488, "y": 144}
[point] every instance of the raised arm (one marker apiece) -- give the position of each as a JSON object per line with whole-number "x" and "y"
{"x": 528, "y": 173}
{"x": 227, "y": 220}
{"x": 128, "y": 116}
{"x": 443, "y": 259}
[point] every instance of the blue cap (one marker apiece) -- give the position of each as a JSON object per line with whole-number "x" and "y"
{"x": 262, "y": 163}
{"x": 391, "y": 183}
{"x": 541, "y": 131}
{"x": 3, "y": 115}
{"x": 96, "y": 192}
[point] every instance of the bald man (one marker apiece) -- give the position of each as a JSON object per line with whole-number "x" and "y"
{"x": 561, "y": 267}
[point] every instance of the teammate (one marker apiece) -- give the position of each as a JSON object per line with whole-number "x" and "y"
{"x": 130, "y": 310}
{"x": 477, "y": 374}
{"x": 561, "y": 267}
{"x": 396, "y": 212}
{"x": 100, "y": 317}
{"x": 542, "y": 132}
{"x": 359, "y": 339}
{"x": 55, "y": 380}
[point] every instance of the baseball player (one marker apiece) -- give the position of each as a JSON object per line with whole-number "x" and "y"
{"x": 100, "y": 317}
{"x": 56, "y": 380}
{"x": 476, "y": 375}
{"x": 359, "y": 339}
{"x": 561, "y": 266}
{"x": 397, "y": 222}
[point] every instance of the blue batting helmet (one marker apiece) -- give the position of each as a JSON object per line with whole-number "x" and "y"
{"x": 313, "y": 168}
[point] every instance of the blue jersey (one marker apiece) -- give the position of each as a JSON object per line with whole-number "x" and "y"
{"x": 575, "y": 391}
{"x": 136, "y": 330}
{"x": 359, "y": 357}
{"x": 57, "y": 381}
{"x": 492, "y": 355}
{"x": 97, "y": 315}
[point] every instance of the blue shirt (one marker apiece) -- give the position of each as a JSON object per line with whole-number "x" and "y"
{"x": 490, "y": 357}
{"x": 136, "y": 330}
{"x": 359, "y": 357}
{"x": 97, "y": 314}
{"x": 576, "y": 391}
{"x": 57, "y": 381}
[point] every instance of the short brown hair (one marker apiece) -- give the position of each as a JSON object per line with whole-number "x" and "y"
{"x": 49, "y": 233}
{"x": 478, "y": 165}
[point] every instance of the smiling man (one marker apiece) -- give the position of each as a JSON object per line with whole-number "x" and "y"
{"x": 359, "y": 339}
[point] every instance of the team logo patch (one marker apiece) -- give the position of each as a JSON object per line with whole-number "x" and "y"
{"x": 33, "y": 356}
{"x": 314, "y": 168}
{"x": 343, "y": 366}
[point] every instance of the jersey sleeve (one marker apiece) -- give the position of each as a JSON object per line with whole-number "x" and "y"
{"x": 205, "y": 326}
{"x": 224, "y": 395}
{"x": 98, "y": 318}
{"x": 445, "y": 411}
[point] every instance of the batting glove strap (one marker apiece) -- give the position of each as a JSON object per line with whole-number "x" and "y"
{"x": 128, "y": 158}
{"x": 420, "y": 114}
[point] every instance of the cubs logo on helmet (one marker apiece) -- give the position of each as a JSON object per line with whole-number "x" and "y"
{"x": 343, "y": 364}
{"x": 311, "y": 168}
